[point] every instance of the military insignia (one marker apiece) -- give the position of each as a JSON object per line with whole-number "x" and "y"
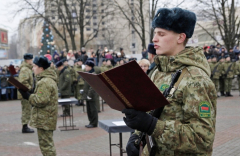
{"x": 163, "y": 87}
{"x": 204, "y": 109}
{"x": 39, "y": 93}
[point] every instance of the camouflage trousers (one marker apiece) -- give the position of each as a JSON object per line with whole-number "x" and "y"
{"x": 216, "y": 83}
{"x": 77, "y": 89}
{"x": 66, "y": 108}
{"x": 26, "y": 111}
{"x": 221, "y": 85}
{"x": 46, "y": 143}
{"x": 227, "y": 84}
{"x": 239, "y": 83}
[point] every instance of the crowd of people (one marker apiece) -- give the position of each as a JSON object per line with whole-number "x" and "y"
{"x": 225, "y": 66}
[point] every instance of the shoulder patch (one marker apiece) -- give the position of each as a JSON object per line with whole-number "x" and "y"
{"x": 40, "y": 93}
{"x": 163, "y": 87}
{"x": 204, "y": 109}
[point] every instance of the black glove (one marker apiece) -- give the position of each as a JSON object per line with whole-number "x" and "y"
{"x": 139, "y": 120}
{"x": 25, "y": 95}
{"x": 131, "y": 148}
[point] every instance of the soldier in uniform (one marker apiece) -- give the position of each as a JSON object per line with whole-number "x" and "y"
{"x": 187, "y": 125}
{"x": 217, "y": 71}
{"x": 151, "y": 54}
{"x": 228, "y": 68}
{"x": 45, "y": 104}
{"x": 91, "y": 96}
{"x": 222, "y": 77}
{"x": 64, "y": 85}
{"x": 78, "y": 81}
{"x": 237, "y": 72}
{"x": 26, "y": 78}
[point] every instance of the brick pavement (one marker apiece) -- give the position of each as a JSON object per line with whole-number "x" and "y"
{"x": 95, "y": 142}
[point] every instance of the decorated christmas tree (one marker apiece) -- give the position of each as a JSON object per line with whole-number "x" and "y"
{"x": 47, "y": 44}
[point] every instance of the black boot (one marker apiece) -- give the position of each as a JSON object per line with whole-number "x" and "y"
{"x": 26, "y": 129}
{"x": 81, "y": 103}
{"x": 78, "y": 104}
{"x": 229, "y": 94}
{"x": 222, "y": 93}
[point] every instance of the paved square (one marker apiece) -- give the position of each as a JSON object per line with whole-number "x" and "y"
{"x": 95, "y": 142}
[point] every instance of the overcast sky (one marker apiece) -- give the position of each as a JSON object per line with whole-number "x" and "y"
{"x": 9, "y": 22}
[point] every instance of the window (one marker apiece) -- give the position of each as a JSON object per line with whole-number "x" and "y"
{"x": 102, "y": 4}
{"x": 94, "y": 17}
{"x": 133, "y": 32}
{"x": 52, "y": 11}
{"x": 73, "y": 4}
{"x": 133, "y": 45}
{"x": 88, "y": 29}
{"x": 94, "y": 11}
{"x": 102, "y": 11}
{"x": 94, "y": 5}
{"x": 87, "y": 17}
{"x": 53, "y": 17}
{"x": 103, "y": 23}
{"x": 103, "y": 35}
{"x": 87, "y": 23}
{"x": 88, "y": 10}
{"x": 94, "y": 24}
{"x": 52, "y": 5}
{"x": 132, "y": 18}
{"x": 133, "y": 52}
{"x": 74, "y": 14}
{"x": 87, "y": 4}
{"x": 95, "y": 30}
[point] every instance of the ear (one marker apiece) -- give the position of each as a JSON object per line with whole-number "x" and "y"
{"x": 181, "y": 38}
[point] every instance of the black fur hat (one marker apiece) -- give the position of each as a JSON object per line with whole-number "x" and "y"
{"x": 59, "y": 64}
{"x": 175, "y": 19}
{"x": 28, "y": 56}
{"x": 151, "y": 49}
{"x": 42, "y": 62}
{"x": 90, "y": 63}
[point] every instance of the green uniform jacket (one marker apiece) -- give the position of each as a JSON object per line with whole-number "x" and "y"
{"x": 45, "y": 101}
{"x": 219, "y": 70}
{"x": 186, "y": 126}
{"x": 64, "y": 83}
{"x": 226, "y": 65}
{"x": 25, "y": 76}
{"x": 77, "y": 77}
{"x": 88, "y": 91}
{"x": 237, "y": 68}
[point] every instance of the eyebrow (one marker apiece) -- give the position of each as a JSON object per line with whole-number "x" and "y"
{"x": 159, "y": 31}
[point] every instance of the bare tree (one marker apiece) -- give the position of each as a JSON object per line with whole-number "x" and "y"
{"x": 223, "y": 14}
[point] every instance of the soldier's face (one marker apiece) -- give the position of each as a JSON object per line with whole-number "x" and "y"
{"x": 37, "y": 70}
{"x": 79, "y": 63}
{"x": 87, "y": 68}
{"x": 167, "y": 42}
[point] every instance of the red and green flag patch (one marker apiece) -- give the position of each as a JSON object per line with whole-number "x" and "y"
{"x": 204, "y": 109}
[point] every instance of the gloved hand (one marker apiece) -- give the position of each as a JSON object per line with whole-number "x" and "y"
{"x": 131, "y": 148}
{"x": 25, "y": 95}
{"x": 139, "y": 120}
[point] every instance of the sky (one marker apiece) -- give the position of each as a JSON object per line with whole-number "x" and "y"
{"x": 9, "y": 22}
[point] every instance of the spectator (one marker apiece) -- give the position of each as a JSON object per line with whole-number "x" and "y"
{"x": 56, "y": 57}
{"x": 70, "y": 58}
{"x": 122, "y": 53}
{"x": 207, "y": 53}
{"x": 144, "y": 64}
{"x": 144, "y": 54}
{"x": 84, "y": 56}
{"x": 17, "y": 69}
{"x": 232, "y": 55}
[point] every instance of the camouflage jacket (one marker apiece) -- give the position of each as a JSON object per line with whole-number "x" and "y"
{"x": 219, "y": 70}
{"x": 25, "y": 76}
{"x": 77, "y": 77}
{"x": 186, "y": 126}
{"x": 45, "y": 101}
{"x": 89, "y": 91}
{"x": 229, "y": 65}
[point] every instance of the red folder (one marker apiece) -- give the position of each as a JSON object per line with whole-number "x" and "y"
{"x": 126, "y": 86}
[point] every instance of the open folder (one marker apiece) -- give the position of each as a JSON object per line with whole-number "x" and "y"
{"x": 126, "y": 86}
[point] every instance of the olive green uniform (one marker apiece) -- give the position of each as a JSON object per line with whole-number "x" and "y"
{"x": 64, "y": 86}
{"x": 217, "y": 71}
{"x": 78, "y": 82}
{"x": 92, "y": 110}
{"x": 237, "y": 72}
{"x": 26, "y": 78}
{"x": 228, "y": 68}
{"x": 186, "y": 126}
{"x": 45, "y": 109}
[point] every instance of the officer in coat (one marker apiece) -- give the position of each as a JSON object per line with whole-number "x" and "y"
{"x": 44, "y": 101}
{"x": 186, "y": 126}
{"x": 151, "y": 54}
{"x": 26, "y": 78}
{"x": 91, "y": 96}
{"x": 64, "y": 85}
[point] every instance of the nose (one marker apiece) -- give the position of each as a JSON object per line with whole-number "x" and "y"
{"x": 155, "y": 38}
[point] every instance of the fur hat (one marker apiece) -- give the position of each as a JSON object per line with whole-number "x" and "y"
{"x": 90, "y": 63}
{"x": 59, "y": 64}
{"x": 42, "y": 61}
{"x": 175, "y": 19}
{"x": 151, "y": 49}
{"x": 28, "y": 56}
